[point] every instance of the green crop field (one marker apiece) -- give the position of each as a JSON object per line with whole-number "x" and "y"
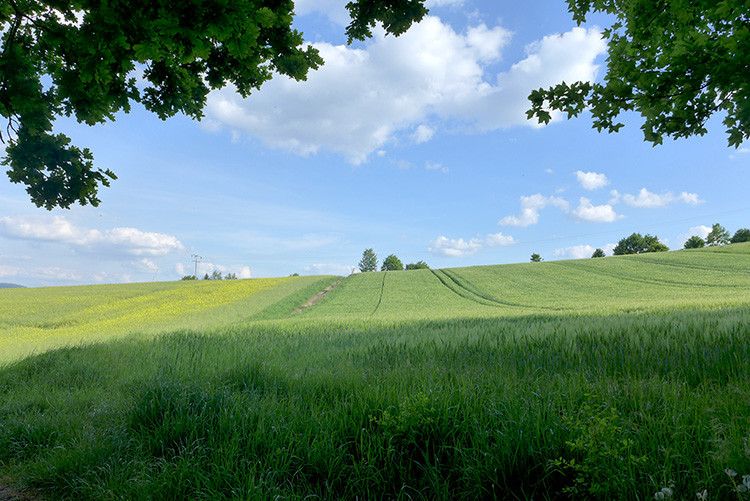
{"x": 614, "y": 378}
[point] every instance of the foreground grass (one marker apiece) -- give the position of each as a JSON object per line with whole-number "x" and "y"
{"x": 545, "y": 406}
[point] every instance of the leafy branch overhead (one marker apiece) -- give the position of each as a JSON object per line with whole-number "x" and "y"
{"x": 90, "y": 60}
{"x": 676, "y": 63}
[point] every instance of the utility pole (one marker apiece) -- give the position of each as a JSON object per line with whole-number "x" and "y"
{"x": 196, "y": 258}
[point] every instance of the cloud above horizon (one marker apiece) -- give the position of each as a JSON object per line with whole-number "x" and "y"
{"x": 444, "y": 246}
{"x": 57, "y": 229}
{"x": 363, "y": 98}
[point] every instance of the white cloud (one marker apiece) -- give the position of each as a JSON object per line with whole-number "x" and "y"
{"x": 591, "y": 180}
{"x": 454, "y": 248}
{"x": 444, "y": 246}
{"x": 590, "y": 213}
{"x": 244, "y": 272}
{"x": 423, "y": 134}
{"x": 146, "y": 265}
{"x": 575, "y": 252}
{"x": 499, "y": 240}
{"x": 57, "y": 229}
{"x": 530, "y": 207}
{"x": 330, "y": 269}
{"x": 362, "y": 98}
{"x": 432, "y": 166}
{"x": 650, "y": 200}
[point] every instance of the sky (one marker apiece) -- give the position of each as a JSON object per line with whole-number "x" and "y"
{"x": 416, "y": 146}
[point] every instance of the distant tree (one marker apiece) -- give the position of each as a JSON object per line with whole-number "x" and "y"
{"x": 536, "y": 258}
{"x": 392, "y": 263}
{"x": 188, "y": 277}
{"x": 419, "y": 265}
{"x": 694, "y": 242}
{"x": 231, "y": 276}
{"x": 206, "y": 277}
{"x": 294, "y": 275}
{"x": 718, "y": 236}
{"x": 741, "y": 235}
{"x": 598, "y": 253}
{"x": 638, "y": 244}
{"x": 216, "y": 275}
{"x": 369, "y": 261}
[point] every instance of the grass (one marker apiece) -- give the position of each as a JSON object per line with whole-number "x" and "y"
{"x": 403, "y": 386}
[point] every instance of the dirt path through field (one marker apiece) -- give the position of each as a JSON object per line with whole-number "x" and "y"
{"x": 317, "y": 297}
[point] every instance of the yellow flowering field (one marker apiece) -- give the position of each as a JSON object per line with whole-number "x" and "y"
{"x": 38, "y": 319}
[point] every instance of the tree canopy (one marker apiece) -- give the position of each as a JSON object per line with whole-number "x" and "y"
{"x": 392, "y": 263}
{"x": 369, "y": 261}
{"x": 741, "y": 235}
{"x": 90, "y": 60}
{"x": 598, "y": 253}
{"x": 638, "y": 244}
{"x": 419, "y": 265}
{"x": 676, "y": 63}
{"x": 694, "y": 242}
{"x": 718, "y": 235}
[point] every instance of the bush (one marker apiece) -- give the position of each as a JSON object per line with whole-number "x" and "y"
{"x": 419, "y": 265}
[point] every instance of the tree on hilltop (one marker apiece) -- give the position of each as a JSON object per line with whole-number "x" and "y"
{"x": 536, "y": 258}
{"x": 369, "y": 261}
{"x": 675, "y": 63}
{"x": 718, "y": 236}
{"x": 419, "y": 265}
{"x": 694, "y": 242}
{"x": 392, "y": 263}
{"x": 741, "y": 235}
{"x": 638, "y": 244}
{"x": 598, "y": 253}
{"x": 91, "y": 60}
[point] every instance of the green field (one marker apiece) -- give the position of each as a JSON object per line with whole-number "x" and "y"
{"x": 609, "y": 378}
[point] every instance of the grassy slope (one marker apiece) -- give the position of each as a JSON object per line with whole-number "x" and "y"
{"x": 37, "y": 319}
{"x": 603, "y": 379}
{"x": 686, "y": 279}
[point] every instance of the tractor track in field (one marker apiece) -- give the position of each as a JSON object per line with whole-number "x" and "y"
{"x": 472, "y": 293}
{"x": 310, "y": 302}
{"x": 380, "y": 299}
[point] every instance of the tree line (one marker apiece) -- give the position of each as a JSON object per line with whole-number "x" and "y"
{"x": 369, "y": 262}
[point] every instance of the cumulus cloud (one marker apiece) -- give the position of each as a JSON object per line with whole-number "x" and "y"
{"x": 700, "y": 230}
{"x": 499, "y": 240}
{"x": 423, "y": 134}
{"x": 530, "y": 207}
{"x": 591, "y": 180}
{"x": 582, "y": 251}
{"x": 59, "y": 230}
{"x": 650, "y": 200}
{"x": 444, "y": 246}
{"x": 362, "y": 98}
{"x": 590, "y": 213}
{"x": 575, "y": 252}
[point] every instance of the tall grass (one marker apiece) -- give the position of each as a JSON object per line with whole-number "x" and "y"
{"x": 542, "y": 407}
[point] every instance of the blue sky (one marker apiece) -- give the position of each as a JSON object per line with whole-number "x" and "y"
{"x": 416, "y": 146}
